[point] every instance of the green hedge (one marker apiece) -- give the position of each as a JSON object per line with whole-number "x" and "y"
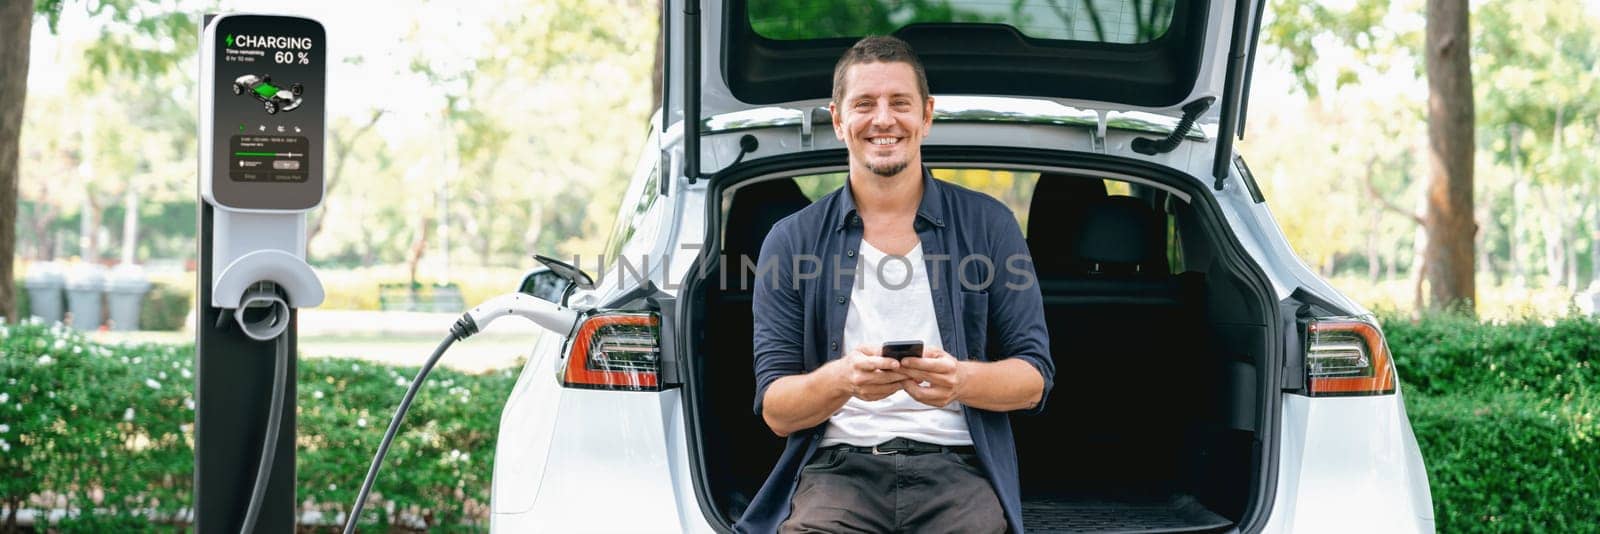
{"x": 1510, "y": 463}
{"x": 110, "y": 429}
{"x": 165, "y": 307}
{"x": 1506, "y": 416}
{"x": 1450, "y": 355}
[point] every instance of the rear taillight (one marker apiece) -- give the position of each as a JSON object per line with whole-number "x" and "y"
{"x": 615, "y": 351}
{"x": 1347, "y": 357}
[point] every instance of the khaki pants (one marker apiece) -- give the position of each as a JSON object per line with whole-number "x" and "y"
{"x": 842, "y": 491}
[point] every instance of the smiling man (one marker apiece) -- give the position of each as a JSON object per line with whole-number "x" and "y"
{"x": 876, "y": 444}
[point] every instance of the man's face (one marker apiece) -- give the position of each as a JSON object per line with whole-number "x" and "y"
{"x": 882, "y": 117}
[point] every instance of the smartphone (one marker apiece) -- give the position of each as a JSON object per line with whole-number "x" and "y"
{"x": 902, "y": 349}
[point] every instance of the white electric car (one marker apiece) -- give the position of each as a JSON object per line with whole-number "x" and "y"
{"x": 1207, "y": 380}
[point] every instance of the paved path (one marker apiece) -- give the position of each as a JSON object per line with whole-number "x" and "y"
{"x": 400, "y": 338}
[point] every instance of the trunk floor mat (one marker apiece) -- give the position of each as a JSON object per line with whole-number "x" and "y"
{"x": 1180, "y": 513}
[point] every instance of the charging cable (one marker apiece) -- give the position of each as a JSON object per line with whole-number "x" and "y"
{"x": 263, "y": 315}
{"x": 542, "y": 312}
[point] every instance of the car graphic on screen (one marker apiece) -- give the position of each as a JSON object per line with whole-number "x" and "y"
{"x": 273, "y": 97}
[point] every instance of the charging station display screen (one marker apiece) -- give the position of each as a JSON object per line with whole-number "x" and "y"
{"x": 268, "y": 101}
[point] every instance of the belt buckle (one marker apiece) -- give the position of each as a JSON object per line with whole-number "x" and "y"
{"x": 876, "y": 452}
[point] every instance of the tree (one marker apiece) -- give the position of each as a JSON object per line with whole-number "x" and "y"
{"x": 342, "y": 145}
{"x": 125, "y": 48}
{"x": 1448, "y": 259}
{"x": 16, "y": 29}
{"x": 1539, "y": 89}
{"x": 1300, "y": 27}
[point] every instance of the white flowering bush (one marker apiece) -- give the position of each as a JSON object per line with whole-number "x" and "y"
{"x": 106, "y": 432}
{"x": 84, "y": 428}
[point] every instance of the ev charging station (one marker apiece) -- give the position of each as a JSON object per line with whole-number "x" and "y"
{"x": 263, "y": 87}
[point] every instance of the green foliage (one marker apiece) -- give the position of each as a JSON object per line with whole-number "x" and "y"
{"x": 1451, "y": 355}
{"x": 789, "y": 20}
{"x": 1536, "y": 82}
{"x": 102, "y": 428}
{"x": 24, "y": 306}
{"x": 1122, "y": 21}
{"x": 110, "y": 429}
{"x": 1506, "y": 416}
{"x": 440, "y": 464}
{"x": 1301, "y": 29}
{"x": 1510, "y": 462}
{"x": 165, "y": 307}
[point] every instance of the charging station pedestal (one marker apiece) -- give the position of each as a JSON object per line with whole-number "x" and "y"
{"x": 263, "y": 88}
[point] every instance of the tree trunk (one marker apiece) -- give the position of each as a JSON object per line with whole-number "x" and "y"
{"x": 1480, "y": 244}
{"x": 1594, "y": 234}
{"x": 342, "y": 147}
{"x": 1450, "y": 144}
{"x": 130, "y": 226}
{"x": 89, "y": 230}
{"x": 1519, "y": 276}
{"x": 1570, "y": 230}
{"x": 13, "y": 505}
{"x": 1551, "y": 228}
{"x": 419, "y": 247}
{"x": 39, "y": 226}
{"x": 16, "y": 29}
{"x": 1374, "y": 266}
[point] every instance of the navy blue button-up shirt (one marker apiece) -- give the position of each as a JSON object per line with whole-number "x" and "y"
{"x": 985, "y": 297}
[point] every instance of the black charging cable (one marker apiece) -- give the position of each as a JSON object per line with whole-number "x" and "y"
{"x": 544, "y": 313}
{"x": 457, "y": 332}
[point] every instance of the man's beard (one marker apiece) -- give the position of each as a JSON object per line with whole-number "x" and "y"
{"x": 888, "y": 169}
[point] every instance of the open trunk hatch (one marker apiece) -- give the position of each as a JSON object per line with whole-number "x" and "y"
{"x": 1127, "y": 55}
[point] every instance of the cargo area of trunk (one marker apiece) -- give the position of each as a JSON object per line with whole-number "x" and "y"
{"x": 1151, "y": 425}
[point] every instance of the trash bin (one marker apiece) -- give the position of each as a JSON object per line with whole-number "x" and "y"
{"x": 85, "y": 283}
{"x": 125, "y": 293}
{"x": 44, "y": 282}
{"x": 1589, "y": 301}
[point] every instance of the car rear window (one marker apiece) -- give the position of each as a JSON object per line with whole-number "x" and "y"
{"x": 1102, "y": 21}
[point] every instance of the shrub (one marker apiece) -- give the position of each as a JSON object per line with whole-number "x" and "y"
{"x": 93, "y": 427}
{"x": 109, "y": 429}
{"x": 165, "y": 307}
{"x": 1444, "y": 355}
{"x": 1510, "y": 462}
{"x": 1505, "y": 416}
{"x": 440, "y": 464}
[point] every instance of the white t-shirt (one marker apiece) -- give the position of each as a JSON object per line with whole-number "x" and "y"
{"x": 892, "y": 301}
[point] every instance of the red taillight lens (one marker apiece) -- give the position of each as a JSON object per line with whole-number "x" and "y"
{"x": 616, "y": 351}
{"x": 1347, "y": 357}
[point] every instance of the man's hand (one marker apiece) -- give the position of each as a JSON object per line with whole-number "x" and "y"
{"x": 944, "y": 377}
{"x": 868, "y": 376}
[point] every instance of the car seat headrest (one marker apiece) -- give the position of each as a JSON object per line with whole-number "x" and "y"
{"x": 1122, "y": 234}
{"x": 756, "y": 208}
{"x": 1055, "y": 217}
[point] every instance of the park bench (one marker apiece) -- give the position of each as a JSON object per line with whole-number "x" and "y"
{"x": 443, "y": 298}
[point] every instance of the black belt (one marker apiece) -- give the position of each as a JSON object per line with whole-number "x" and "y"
{"x": 905, "y": 446}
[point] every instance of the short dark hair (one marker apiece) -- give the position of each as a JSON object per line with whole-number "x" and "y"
{"x": 876, "y": 49}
